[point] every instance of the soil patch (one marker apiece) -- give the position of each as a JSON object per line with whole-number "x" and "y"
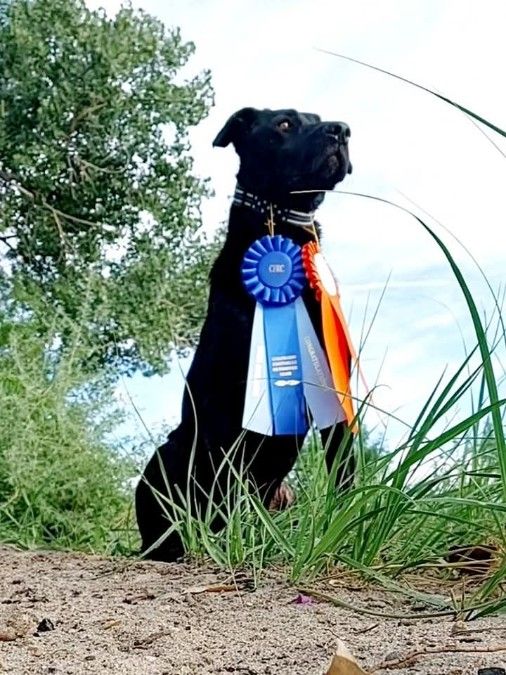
{"x": 71, "y": 613}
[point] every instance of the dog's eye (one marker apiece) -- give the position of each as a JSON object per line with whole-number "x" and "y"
{"x": 285, "y": 125}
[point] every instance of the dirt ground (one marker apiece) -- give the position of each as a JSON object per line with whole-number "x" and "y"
{"x": 69, "y": 613}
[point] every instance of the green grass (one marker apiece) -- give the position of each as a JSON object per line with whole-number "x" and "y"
{"x": 443, "y": 487}
{"x": 409, "y": 506}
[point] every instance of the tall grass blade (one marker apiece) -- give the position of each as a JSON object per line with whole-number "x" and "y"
{"x": 485, "y": 353}
{"x": 465, "y": 110}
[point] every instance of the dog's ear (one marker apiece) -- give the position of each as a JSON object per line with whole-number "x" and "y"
{"x": 235, "y": 127}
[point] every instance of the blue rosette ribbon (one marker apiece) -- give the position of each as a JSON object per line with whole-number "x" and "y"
{"x": 288, "y": 371}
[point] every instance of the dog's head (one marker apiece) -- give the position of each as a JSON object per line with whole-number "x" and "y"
{"x": 283, "y": 152}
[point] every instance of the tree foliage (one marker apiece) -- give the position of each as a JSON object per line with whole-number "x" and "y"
{"x": 99, "y": 210}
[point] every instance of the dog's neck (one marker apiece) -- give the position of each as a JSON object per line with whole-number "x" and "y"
{"x": 267, "y": 209}
{"x": 247, "y": 223}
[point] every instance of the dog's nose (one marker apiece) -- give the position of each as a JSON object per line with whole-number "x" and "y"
{"x": 338, "y": 130}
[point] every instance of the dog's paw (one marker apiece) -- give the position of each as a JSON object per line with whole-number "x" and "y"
{"x": 282, "y": 498}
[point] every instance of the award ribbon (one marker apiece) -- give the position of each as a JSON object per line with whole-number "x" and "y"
{"x": 338, "y": 345}
{"x": 287, "y": 366}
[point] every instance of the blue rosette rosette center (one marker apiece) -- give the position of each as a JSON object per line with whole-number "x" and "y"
{"x": 272, "y": 270}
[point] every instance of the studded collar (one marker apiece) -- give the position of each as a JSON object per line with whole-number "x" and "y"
{"x": 266, "y": 208}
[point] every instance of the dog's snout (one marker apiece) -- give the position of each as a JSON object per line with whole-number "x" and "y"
{"x": 339, "y": 130}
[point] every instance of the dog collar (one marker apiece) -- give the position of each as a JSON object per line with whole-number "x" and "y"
{"x": 264, "y": 206}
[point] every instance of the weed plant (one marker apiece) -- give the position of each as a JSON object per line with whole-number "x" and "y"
{"x": 62, "y": 485}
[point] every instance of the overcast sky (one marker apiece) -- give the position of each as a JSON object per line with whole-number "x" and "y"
{"x": 404, "y": 142}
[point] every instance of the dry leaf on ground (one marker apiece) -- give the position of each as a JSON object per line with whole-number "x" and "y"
{"x": 343, "y": 663}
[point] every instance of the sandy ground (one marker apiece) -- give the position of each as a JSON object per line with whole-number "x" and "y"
{"x": 69, "y": 613}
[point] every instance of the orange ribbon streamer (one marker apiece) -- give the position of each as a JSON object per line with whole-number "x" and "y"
{"x": 338, "y": 345}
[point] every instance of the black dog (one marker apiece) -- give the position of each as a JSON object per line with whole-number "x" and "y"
{"x": 281, "y": 153}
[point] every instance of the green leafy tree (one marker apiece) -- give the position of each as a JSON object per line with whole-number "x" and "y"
{"x": 99, "y": 210}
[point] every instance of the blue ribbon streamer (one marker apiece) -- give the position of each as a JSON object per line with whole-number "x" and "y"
{"x": 285, "y": 370}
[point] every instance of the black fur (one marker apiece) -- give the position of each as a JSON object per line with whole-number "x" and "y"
{"x": 280, "y": 152}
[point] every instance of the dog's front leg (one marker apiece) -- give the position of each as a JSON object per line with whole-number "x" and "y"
{"x": 337, "y": 444}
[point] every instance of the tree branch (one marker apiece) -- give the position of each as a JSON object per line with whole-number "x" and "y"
{"x": 38, "y": 200}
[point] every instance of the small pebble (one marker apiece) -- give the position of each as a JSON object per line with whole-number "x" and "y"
{"x": 45, "y": 625}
